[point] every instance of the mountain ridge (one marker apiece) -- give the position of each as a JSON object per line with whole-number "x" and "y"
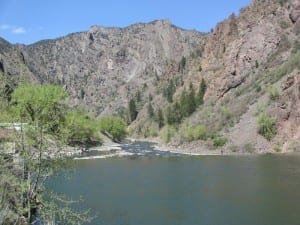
{"x": 104, "y": 68}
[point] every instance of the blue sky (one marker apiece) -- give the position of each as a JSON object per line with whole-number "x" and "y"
{"x": 28, "y": 21}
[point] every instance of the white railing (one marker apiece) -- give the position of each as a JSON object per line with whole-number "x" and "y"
{"x": 12, "y": 126}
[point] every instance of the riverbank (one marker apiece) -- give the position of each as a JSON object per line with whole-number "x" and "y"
{"x": 111, "y": 149}
{"x": 199, "y": 148}
{"x": 185, "y": 149}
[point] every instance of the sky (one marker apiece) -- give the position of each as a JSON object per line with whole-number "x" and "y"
{"x": 29, "y": 21}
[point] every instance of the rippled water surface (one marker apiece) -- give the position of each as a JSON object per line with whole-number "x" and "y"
{"x": 158, "y": 188}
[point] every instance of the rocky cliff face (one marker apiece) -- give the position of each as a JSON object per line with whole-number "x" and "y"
{"x": 249, "y": 56}
{"x": 101, "y": 68}
{"x": 250, "y": 62}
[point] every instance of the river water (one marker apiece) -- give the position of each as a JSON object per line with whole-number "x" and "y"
{"x": 157, "y": 188}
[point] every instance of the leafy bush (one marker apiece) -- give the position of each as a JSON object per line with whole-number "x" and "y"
{"x": 113, "y": 125}
{"x": 80, "y": 129}
{"x": 200, "y": 132}
{"x": 219, "y": 141}
{"x": 189, "y": 133}
{"x": 167, "y": 133}
{"x": 266, "y": 126}
{"x": 277, "y": 148}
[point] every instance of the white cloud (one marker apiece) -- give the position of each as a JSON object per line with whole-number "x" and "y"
{"x": 13, "y": 29}
{"x": 18, "y": 30}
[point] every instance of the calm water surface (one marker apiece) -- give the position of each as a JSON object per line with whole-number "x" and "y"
{"x": 166, "y": 189}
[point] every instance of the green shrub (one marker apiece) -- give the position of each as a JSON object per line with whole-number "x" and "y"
{"x": 114, "y": 125}
{"x": 79, "y": 129}
{"x": 277, "y": 148}
{"x": 150, "y": 132}
{"x": 234, "y": 148}
{"x": 189, "y": 133}
{"x": 266, "y": 126}
{"x": 167, "y": 133}
{"x": 284, "y": 24}
{"x": 219, "y": 141}
{"x": 200, "y": 132}
{"x": 257, "y": 88}
{"x": 273, "y": 93}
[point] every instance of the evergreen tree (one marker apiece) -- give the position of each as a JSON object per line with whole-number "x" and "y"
{"x": 150, "y": 110}
{"x": 150, "y": 97}
{"x": 184, "y": 103}
{"x": 160, "y": 118}
{"x": 177, "y": 116}
{"x": 201, "y": 92}
{"x": 169, "y": 117}
{"x": 173, "y": 114}
{"x": 138, "y": 96}
{"x": 132, "y": 110}
{"x": 169, "y": 91}
{"x": 182, "y": 64}
{"x": 191, "y": 100}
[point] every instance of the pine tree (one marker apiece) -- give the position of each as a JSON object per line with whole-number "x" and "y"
{"x": 177, "y": 116}
{"x": 132, "y": 110}
{"x": 191, "y": 100}
{"x": 201, "y": 92}
{"x": 160, "y": 118}
{"x": 169, "y": 91}
{"x": 182, "y": 64}
{"x": 183, "y": 103}
{"x": 138, "y": 96}
{"x": 150, "y": 110}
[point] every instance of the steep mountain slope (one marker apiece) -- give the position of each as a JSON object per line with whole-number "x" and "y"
{"x": 250, "y": 63}
{"x": 101, "y": 67}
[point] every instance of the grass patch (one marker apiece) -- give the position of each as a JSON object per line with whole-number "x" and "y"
{"x": 219, "y": 141}
{"x": 266, "y": 126}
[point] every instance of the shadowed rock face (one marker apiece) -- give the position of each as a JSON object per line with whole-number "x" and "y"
{"x": 295, "y": 11}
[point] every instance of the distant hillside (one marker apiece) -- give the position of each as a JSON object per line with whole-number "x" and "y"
{"x": 103, "y": 67}
{"x": 148, "y": 73}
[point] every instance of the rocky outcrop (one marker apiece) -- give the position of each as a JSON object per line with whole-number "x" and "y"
{"x": 288, "y": 111}
{"x": 295, "y": 11}
{"x": 240, "y": 44}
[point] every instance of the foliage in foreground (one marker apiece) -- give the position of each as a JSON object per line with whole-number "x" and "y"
{"x": 41, "y": 110}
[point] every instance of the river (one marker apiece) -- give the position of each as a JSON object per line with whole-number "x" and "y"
{"x": 157, "y": 188}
